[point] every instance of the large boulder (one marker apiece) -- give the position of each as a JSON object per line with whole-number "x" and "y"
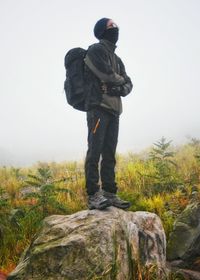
{"x": 184, "y": 241}
{"x": 106, "y": 243}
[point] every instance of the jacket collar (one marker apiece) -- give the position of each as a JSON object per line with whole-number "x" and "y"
{"x": 110, "y": 46}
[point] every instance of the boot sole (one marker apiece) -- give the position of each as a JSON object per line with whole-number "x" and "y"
{"x": 121, "y": 206}
{"x": 101, "y": 207}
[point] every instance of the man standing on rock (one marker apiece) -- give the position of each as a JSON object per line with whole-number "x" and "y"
{"x": 107, "y": 81}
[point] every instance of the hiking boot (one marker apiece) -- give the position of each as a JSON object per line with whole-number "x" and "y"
{"x": 98, "y": 201}
{"x": 114, "y": 200}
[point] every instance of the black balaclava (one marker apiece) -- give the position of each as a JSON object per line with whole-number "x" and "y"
{"x": 111, "y": 34}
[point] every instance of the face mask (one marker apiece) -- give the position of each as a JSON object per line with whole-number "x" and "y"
{"x": 111, "y": 34}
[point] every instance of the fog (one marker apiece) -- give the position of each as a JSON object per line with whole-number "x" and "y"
{"x": 159, "y": 44}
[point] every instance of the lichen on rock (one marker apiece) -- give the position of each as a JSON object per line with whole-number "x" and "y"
{"x": 88, "y": 243}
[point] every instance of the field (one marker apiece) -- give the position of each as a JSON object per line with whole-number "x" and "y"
{"x": 163, "y": 179}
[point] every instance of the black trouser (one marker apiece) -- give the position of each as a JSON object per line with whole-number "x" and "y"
{"x": 103, "y": 130}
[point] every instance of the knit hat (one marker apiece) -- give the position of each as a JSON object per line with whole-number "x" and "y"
{"x": 100, "y": 27}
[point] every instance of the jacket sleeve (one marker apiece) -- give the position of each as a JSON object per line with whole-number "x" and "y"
{"x": 124, "y": 89}
{"x": 97, "y": 61}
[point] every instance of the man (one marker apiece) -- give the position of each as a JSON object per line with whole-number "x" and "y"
{"x": 107, "y": 81}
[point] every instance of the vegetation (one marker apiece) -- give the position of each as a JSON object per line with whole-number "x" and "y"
{"x": 164, "y": 180}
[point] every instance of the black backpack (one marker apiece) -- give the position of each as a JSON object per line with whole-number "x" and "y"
{"x": 74, "y": 84}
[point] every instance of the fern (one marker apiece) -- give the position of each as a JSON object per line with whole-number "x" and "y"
{"x": 48, "y": 188}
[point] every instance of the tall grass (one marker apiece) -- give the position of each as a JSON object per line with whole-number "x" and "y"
{"x": 163, "y": 180}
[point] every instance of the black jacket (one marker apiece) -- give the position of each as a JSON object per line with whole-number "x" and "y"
{"x": 103, "y": 66}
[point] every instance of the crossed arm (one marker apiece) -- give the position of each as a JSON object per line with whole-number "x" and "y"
{"x": 113, "y": 83}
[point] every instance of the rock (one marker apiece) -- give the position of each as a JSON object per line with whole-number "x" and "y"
{"x": 184, "y": 241}
{"x": 190, "y": 274}
{"x": 177, "y": 268}
{"x": 177, "y": 264}
{"x": 105, "y": 243}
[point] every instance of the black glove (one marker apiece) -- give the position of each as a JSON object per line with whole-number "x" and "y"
{"x": 114, "y": 90}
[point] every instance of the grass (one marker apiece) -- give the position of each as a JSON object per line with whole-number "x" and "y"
{"x": 163, "y": 180}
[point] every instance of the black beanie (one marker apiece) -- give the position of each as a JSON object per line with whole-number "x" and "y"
{"x": 100, "y": 27}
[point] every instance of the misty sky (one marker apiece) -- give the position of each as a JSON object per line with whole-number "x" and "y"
{"x": 159, "y": 44}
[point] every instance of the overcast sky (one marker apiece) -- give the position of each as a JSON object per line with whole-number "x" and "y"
{"x": 159, "y": 44}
